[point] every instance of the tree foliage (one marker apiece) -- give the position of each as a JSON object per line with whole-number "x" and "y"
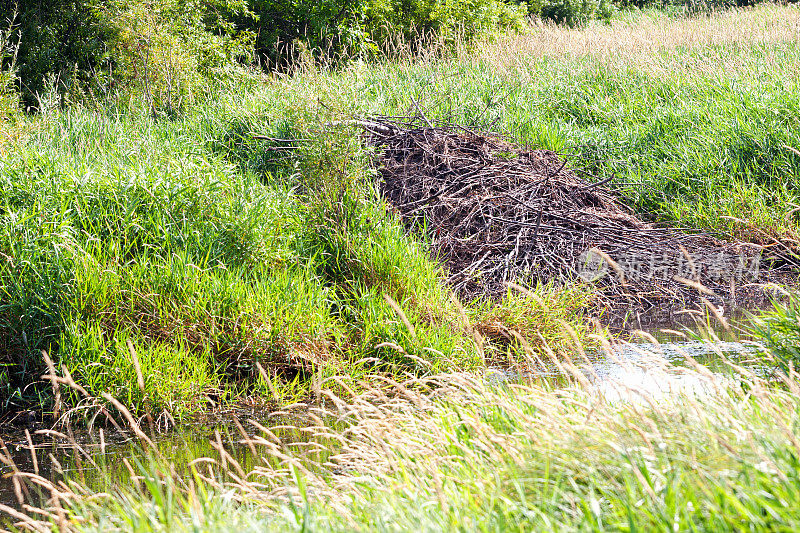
{"x": 58, "y": 40}
{"x": 366, "y": 26}
{"x": 166, "y": 52}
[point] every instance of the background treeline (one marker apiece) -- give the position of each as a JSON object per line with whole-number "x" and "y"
{"x": 166, "y": 51}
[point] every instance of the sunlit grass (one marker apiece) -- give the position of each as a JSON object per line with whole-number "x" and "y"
{"x": 175, "y": 264}
{"x": 189, "y": 237}
{"x": 458, "y": 451}
{"x": 694, "y": 120}
{"x": 186, "y": 245}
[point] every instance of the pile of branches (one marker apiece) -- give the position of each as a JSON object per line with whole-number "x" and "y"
{"x": 496, "y": 214}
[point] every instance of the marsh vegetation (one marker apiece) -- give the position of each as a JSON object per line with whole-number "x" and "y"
{"x": 186, "y": 229}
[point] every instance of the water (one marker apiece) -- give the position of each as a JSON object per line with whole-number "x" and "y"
{"x": 641, "y": 372}
{"x": 104, "y": 459}
{"x": 633, "y": 372}
{"x": 688, "y": 358}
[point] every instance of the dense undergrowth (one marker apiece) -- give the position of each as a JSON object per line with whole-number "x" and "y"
{"x": 169, "y": 51}
{"x": 180, "y": 243}
{"x": 173, "y": 261}
{"x": 175, "y": 245}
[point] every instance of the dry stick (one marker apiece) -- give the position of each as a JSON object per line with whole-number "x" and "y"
{"x": 597, "y": 184}
{"x": 271, "y": 387}
{"x": 54, "y": 382}
{"x": 534, "y": 240}
{"x": 419, "y": 110}
{"x": 394, "y": 305}
{"x": 140, "y": 381}
{"x": 131, "y": 422}
{"x": 32, "y": 450}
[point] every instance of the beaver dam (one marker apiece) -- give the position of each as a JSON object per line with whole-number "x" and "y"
{"x": 496, "y": 213}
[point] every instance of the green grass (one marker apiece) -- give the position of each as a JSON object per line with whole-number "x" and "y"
{"x": 477, "y": 456}
{"x": 182, "y": 246}
{"x": 778, "y": 329}
{"x": 188, "y": 239}
{"x": 185, "y": 240}
{"x": 689, "y": 131}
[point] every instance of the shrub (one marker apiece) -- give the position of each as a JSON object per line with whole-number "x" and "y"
{"x": 163, "y": 50}
{"x": 167, "y": 51}
{"x": 62, "y": 41}
{"x": 570, "y": 12}
{"x": 9, "y": 103}
{"x": 368, "y": 26}
{"x": 449, "y": 20}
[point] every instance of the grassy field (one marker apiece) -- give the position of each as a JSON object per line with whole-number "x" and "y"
{"x": 179, "y": 264}
{"x": 179, "y": 246}
{"x": 182, "y": 245}
{"x": 696, "y": 119}
{"x": 455, "y": 452}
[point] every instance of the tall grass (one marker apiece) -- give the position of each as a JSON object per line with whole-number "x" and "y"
{"x": 694, "y": 120}
{"x": 209, "y": 251}
{"x": 457, "y": 452}
{"x": 177, "y": 263}
{"x": 779, "y": 329}
{"x": 186, "y": 247}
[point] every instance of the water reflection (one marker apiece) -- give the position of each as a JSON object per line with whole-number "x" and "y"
{"x": 641, "y": 372}
{"x": 693, "y": 357}
{"x": 106, "y": 459}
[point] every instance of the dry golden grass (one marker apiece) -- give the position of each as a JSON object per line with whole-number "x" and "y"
{"x": 653, "y": 33}
{"x": 462, "y": 451}
{"x": 643, "y": 41}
